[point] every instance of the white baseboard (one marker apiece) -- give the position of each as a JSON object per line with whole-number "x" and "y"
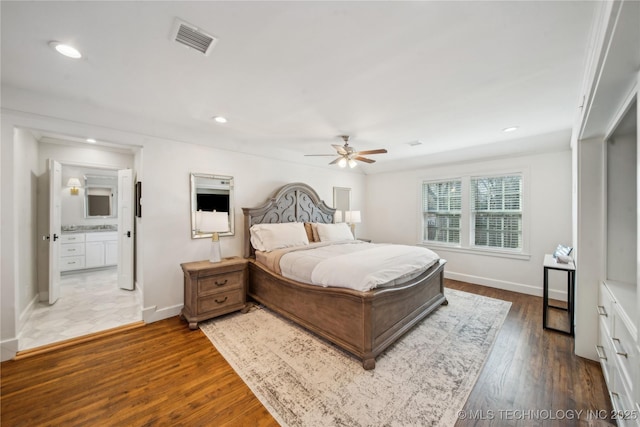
{"x": 8, "y": 349}
{"x": 152, "y": 314}
{"x": 24, "y": 316}
{"x": 507, "y": 286}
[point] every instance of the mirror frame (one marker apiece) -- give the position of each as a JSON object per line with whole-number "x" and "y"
{"x": 194, "y": 231}
{"x": 112, "y": 199}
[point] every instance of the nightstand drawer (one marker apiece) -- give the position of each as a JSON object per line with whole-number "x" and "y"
{"x": 220, "y": 283}
{"x": 221, "y": 301}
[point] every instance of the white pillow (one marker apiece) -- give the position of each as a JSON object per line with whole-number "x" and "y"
{"x": 334, "y": 232}
{"x": 267, "y": 237}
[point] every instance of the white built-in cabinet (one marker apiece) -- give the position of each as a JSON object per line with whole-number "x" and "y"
{"x": 619, "y": 316}
{"x": 88, "y": 250}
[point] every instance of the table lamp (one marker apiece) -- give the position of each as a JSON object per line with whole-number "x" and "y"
{"x": 214, "y": 223}
{"x": 352, "y": 218}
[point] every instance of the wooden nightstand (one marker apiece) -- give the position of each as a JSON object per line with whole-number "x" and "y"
{"x": 213, "y": 289}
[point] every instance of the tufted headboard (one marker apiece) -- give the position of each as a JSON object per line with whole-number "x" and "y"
{"x": 295, "y": 202}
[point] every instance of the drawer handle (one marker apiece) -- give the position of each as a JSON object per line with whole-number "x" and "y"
{"x": 620, "y": 352}
{"x": 602, "y": 311}
{"x": 220, "y": 302}
{"x": 73, "y": 262}
{"x": 601, "y": 353}
{"x": 221, "y": 284}
{"x": 71, "y": 250}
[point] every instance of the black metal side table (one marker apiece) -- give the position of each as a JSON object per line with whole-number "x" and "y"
{"x": 550, "y": 263}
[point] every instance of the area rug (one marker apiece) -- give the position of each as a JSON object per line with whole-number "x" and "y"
{"x": 423, "y": 379}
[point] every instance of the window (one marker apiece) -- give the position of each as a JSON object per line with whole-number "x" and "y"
{"x": 496, "y": 211}
{"x": 476, "y": 213}
{"x": 442, "y": 205}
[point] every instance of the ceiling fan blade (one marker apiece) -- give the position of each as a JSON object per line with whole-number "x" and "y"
{"x": 336, "y": 161}
{"x": 364, "y": 159}
{"x": 379, "y": 151}
{"x": 339, "y": 148}
{"x": 320, "y": 155}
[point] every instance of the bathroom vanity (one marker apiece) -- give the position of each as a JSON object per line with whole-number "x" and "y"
{"x": 88, "y": 247}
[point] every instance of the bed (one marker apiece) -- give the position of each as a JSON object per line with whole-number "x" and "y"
{"x": 363, "y": 323}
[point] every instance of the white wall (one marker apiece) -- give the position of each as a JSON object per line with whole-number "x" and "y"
{"x": 166, "y": 212}
{"x": 394, "y": 204}
{"x": 25, "y": 184}
{"x": 8, "y": 243}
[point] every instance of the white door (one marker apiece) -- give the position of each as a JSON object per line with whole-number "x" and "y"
{"x": 55, "y": 223}
{"x": 125, "y": 229}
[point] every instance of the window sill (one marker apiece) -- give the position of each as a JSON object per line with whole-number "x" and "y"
{"x": 476, "y": 251}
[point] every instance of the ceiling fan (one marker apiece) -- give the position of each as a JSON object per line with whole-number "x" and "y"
{"x": 348, "y": 156}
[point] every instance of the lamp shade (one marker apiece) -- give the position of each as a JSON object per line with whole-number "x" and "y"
{"x": 352, "y": 217}
{"x": 73, "y": 182}
{"x": 212, "y": 222}
{"x": 338, "y": 216}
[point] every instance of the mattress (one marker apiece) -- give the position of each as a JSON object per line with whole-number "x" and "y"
{"x": 349, "y": 264}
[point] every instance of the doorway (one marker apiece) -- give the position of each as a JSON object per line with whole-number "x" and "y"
{"x": 89, "y": 300}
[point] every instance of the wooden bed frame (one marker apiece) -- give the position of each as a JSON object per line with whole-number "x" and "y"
{"x": 362, "y": 323}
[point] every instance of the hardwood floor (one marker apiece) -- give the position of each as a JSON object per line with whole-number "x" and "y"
{"x": 532, "y": 377}
{"x": 165, "y": 374}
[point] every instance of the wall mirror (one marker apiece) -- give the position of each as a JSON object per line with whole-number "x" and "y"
{"x": 100, "y": 196}
{"x": 341, "y": 202}
{"x": 211, "y": 193}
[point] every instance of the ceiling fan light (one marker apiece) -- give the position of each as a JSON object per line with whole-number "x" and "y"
{"x": 352, "y": 163}
{"x": 342, "y": 162}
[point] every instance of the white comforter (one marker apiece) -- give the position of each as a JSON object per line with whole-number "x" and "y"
{"x": 355, "y": 265}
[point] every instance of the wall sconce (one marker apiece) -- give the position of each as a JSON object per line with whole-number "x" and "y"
{"x": 213, "y": 222}
{"x": 352, "y": 218}
{"x": 74, "y": 183}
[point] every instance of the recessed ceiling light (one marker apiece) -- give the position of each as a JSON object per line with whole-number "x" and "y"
{"x": 91, "y": 140}
{"x": 510, "y": 129}
{"x": 66, "y": 50}
{"x": 220, "y": 119}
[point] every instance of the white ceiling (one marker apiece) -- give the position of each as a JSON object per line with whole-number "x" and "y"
{"x": 292, "y": 76}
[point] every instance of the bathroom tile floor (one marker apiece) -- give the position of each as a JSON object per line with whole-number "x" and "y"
{"x": 89, "y": 302}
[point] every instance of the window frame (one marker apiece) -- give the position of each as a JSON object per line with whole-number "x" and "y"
{"x": 439, "y": 212}
{"x": 502, "y": 213}
{"x": 466, "y": 238}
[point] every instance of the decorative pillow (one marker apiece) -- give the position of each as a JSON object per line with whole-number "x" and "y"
{"x": 309, "y": 230}
{"x": 267, "y": 237}
{"x": 314, "y": 230}
{"x": 334, "y": 232}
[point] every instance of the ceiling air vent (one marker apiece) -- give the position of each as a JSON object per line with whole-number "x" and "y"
{"x": 192, "y": 37}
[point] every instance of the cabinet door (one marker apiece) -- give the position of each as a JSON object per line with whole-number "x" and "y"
{"x": 94, "y": 254}
{"x": 111, "y": 255}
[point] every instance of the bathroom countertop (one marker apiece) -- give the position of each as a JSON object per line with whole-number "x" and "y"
{"x": 69, "y": 229}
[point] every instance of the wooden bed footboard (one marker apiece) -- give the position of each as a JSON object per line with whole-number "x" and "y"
{"x": 362, "y": 323}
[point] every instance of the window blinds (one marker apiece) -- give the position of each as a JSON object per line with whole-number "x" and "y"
{"x": 496, "y": 207}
